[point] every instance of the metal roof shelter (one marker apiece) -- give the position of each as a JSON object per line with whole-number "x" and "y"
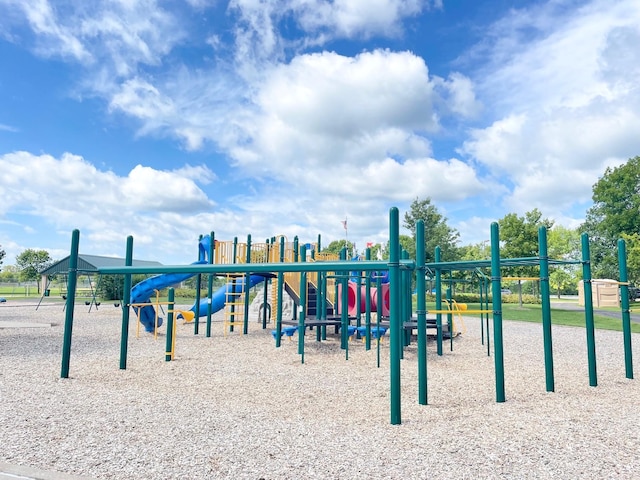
{"x": 87, "y": 265}
{"x": 92, "y": 263}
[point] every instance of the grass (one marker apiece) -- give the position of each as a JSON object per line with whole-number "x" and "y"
{"x": 533, "y": 313}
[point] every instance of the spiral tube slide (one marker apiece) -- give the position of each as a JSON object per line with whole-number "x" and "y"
{"x": 352, "y": 299}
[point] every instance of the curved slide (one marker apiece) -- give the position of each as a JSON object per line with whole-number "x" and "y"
{"x": 142, "y": 292}
{"x": 220, "y": 296}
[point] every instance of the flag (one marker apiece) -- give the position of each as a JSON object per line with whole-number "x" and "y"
{"x": 344, "y": 223}
{"x": 369, "y": 244}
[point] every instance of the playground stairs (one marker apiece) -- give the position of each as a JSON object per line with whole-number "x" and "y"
{"x": 234, "y": 303}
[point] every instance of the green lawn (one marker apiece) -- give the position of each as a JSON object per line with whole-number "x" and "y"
{"x": 533, "y": 313}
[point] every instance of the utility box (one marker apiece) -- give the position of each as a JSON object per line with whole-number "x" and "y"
{"x": 606, "y": 293}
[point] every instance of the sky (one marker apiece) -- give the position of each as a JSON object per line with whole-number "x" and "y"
{"x": 166, "y": 120}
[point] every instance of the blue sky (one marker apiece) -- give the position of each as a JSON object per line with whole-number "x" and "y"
{"x": 169, "y": 119}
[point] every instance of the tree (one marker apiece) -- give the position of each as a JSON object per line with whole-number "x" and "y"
{"x": 2, "y": 255}
{"x": 633, "y": 256}
{"x": 519, "y": 238}
{"x": 337, "y": 245}
{"x": 436, "y": 231}
{"x": 10, "y": 274}
{"x": 519, "y": 235}
{"x": 31, "y": 263}
{"x": 475, "y": 251}
{"x": 615, "y": 211}
{"x": 564, "y": 244}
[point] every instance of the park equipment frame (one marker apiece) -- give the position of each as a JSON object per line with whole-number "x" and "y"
{"x": 395, "y": 266}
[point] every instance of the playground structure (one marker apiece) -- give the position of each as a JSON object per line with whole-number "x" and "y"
{"x": 399, "y": 274}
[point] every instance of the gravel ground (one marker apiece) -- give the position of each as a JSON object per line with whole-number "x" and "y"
{"x": 237, "y": 407}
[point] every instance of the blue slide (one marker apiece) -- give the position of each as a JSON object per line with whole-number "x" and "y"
{"x": 142, "y": 292}
{"x": 220, "y": 296}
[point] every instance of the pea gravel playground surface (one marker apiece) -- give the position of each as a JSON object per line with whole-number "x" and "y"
{"x": 237, "y": 407}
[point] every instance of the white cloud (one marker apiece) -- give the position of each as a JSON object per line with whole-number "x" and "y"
{"x": 69, "y": 192}
{"x": 349, "y": 18}
{"x": 565, "y": 108}
{"x": 113, "y": 37}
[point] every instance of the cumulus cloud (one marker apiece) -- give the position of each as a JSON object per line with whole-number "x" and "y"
{"x": 357, "y": 17}
{"x": 564, "y": 109}
{"x": 69, "y": 192}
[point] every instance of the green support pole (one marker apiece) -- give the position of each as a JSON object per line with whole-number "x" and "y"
{"x": 450, "y": 315}
{"x": 247, "y": 277}
{"x": 358, "y": 299}
{"x": 588, "y": 310}
{"x": 367, "y": 304}
{"x": 438, "y": 304}
{"x": 405, "y": 306}
{"x": 303, "y": 304}
{"x": 344, "y": 305}
{"x": 295, "y": 260}
{"x": 169, "y": 350}
{"x": 481, "y": 296}
{"x": 210, "y": 284}
{"x": 265, "y": 292}
{"x": 394, "y": 320}
{"x": 379, "y": 308}
{"x": 126, "y": 301}
{"x": 71, "y": 297}
{"x": 546, "y": 308}
{"x": 624, "y": 303}
{"x": 421, "y": 312}
{"x": 279, "y": 295}
{"x": 486, "y": 307}
{"x": 497, "y": 312}
{"x": 196, "y": 318}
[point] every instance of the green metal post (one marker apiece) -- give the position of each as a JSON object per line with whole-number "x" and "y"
{"x": 71, "y": 297}
{"x": 588, "y": 310}
{"x": 358, "y": 299}
{"x": 303, "y": 303}
{"x": 486, "y": 307}
{"x": 481, "y": 296}
{"x": 247, "y": 282}
{"x": 394, "y": 320}
{"x": 210, "y": 283}
{"x": 450, "y": 315}
{"x": 624, "y": 303}
{"x": 295, "y": 260}
{"x": 421, "y": 312}
{"x": 169, "y": 350}
{"x": 265, "y": 292}
{"x": 405, "y": 305}
{"x": 196, "y": 319}
{"x": 367, "y": 304}
{"x": 344, "y": 305}
{"x": 279, "y": 295}
{"x": 546, "y": 309}
{"x": 438, "y": 304}
{"x": 126, "y": 301}
{"x": 497, "y": 312}
{"x": 379, "y": 308}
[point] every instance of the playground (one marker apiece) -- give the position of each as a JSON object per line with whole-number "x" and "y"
{"x": 242, "y": 401}
{"x": 235, "y": 406}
